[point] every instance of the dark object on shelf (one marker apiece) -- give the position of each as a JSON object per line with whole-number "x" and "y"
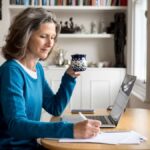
{"x": 111, "y": 28}
{"x": 69, "y": 27}
{"x": 119, "y": 39}
{"x": 118, "y": 28}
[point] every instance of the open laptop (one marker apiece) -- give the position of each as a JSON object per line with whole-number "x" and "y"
{"x": 119, "y": 105}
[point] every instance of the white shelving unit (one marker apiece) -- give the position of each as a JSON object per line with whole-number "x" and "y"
{"x": 97, "y": 46}
{"x": 73, "y": 8}
{"x": 97, "y": 87}
{"x": 89, "y": 36}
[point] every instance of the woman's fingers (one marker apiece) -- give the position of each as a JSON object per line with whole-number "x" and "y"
{"x": 86, "y": 129}
{"x": 72, "y": 73}
{"x": 95, "y": 123}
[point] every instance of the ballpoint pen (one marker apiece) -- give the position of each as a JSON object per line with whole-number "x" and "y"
{"x": 82, "y": 116}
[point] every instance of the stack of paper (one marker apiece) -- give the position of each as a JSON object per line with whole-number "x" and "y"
{"x": 130, "y": 137}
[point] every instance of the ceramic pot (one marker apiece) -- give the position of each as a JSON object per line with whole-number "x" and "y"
{"x": 78, "y": 62}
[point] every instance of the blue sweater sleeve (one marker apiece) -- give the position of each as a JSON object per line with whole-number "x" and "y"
{"x": 56, "y": 103}
{"x": 13, "y": 106}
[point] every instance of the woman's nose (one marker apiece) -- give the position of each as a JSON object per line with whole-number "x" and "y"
{"x": 49, "y": 42}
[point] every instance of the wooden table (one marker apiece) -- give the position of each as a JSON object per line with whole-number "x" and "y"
{"x": 133, "y": 119}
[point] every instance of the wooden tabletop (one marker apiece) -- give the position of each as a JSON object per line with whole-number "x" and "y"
{"x": 133, "y": 119}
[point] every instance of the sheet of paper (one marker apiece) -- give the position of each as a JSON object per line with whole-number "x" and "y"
{"x": 130, "y": 137}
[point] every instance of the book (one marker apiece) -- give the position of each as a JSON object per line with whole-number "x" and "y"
{"x": 123, "y": 2}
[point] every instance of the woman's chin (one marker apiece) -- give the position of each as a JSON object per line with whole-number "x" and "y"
{"x": 43, "y": 57}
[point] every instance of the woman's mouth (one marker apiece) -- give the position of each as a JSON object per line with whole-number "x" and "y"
{"x": 45, "y": 50}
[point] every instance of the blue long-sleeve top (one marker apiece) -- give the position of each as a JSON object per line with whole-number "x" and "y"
{"x": 21, "y": 100}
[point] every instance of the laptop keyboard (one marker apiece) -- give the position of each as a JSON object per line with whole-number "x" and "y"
{"x": 111, "y": 120}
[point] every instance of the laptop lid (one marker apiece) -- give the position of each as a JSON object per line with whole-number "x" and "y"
{"x": 122, "y": 98}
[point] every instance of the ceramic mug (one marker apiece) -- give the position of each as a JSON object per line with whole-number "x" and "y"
{"x": 78, "y": 62}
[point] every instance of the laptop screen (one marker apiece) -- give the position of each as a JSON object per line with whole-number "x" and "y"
{"x": 122, "y": 97}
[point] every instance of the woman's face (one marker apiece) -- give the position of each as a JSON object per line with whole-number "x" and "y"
{"x": 42, "y": 41}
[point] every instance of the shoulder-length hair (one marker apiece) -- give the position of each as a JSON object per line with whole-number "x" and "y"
{"x": 21, "y": 30}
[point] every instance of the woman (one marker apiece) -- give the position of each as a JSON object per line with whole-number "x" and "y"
{"x": 24, "y": 90}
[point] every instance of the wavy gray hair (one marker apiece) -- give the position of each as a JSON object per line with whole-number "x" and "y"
{"x": 21, "y": 30}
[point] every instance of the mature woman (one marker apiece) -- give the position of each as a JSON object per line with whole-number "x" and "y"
{"x": 24, "y": 90}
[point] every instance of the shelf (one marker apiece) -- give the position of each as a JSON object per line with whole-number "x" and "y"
{"x": 103, "y": 35}
{"x": 88, "y": 68}
{"x": 73, "y": 8}
{"x": 97, "y": 46}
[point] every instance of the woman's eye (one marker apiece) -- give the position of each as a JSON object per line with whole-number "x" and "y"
{"x": 43, "y": 36}
{"x": 52, "y": 38}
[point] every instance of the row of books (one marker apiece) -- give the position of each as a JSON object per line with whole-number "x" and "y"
{"x": 71, "y": 2}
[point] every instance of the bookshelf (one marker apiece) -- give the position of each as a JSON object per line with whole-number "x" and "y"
{"x": 97, "y": 46}
{"x": 70, "y": 2}
{"x": 88, "y": 36}
{"x": 74, "y": 8}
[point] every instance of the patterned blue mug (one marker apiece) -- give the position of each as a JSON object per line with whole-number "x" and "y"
{"x": 78, "y": 62}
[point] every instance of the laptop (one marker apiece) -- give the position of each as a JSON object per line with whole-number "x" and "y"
{"x": 119, "y": 105}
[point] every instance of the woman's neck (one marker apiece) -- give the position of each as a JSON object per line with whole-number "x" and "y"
{"x": 29, "y": 63}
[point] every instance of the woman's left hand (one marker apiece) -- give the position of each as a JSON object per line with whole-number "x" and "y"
{"x": 72, "y": 73}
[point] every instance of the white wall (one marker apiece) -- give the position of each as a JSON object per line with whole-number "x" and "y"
{"x": 4, "y": 23}
{"x": 1, "y": 58}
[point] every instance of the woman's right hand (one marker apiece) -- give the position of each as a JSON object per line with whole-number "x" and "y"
{"x": 87, "y": 128}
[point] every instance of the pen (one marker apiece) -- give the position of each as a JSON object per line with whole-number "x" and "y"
{"x": 82, "y": 116}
